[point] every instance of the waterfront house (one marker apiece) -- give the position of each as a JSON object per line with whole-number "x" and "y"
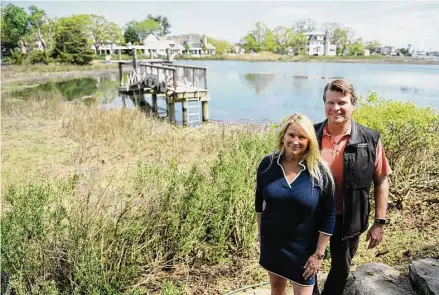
{"x": 158, "y": 46}
{"x": 197, "y": 45}
{"x": 386, "y": 50}
{"x": 318, "y": 43}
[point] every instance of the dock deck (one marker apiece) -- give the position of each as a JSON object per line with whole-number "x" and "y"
{"x": 178, "y": 83}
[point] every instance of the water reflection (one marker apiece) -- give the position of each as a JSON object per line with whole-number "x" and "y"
{"x": 259, "y": 82}
{"x": 100, "y": 89}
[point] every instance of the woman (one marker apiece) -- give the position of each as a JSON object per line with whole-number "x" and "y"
{"x": 296, "y": 208}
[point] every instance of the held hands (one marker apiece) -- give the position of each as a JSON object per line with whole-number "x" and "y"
{"x": 375, "y": 235}
{"x": 312, "y": 266}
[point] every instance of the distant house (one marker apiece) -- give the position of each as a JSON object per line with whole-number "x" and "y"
{"x": 318, "y": 44}
{"x": 386, "y": 50}
{"x": 198, "y": 45}
{"x": 158, "y": 46}
{"x": 239, "y": 50}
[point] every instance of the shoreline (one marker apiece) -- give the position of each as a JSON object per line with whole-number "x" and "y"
{"x": 313, "y": 59}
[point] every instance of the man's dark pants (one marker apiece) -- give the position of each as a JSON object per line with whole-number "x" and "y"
{"x": 342, "y": 253}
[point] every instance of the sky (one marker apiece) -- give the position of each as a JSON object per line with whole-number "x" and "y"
{"x": 393, "y": 23}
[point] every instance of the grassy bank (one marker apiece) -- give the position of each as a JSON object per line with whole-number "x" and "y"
{"x": 113, "y": 202}
{"x": 270, "y": 56}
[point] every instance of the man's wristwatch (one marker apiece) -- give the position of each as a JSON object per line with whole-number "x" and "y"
{"x": 319, "y": 256}
{"x": 380, "y": 221}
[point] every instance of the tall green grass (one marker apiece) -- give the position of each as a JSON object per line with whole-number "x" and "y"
{"x": 88, "y": 234}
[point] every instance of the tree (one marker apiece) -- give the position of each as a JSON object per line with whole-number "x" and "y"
{"x": 164, "y": 24}
{"x": 146, "y": 27}
{"x": 102, "y": 30}
{"x": 72, "y": 43}
{"x": 339, "y": 35}
{"x": 14, "y": 27}
{"x": 131, "y": 34}
{"x": 304, "y": 26}
{"x": 258, "y": 34}
{"x": 187, "y": 47}
{"x": 41, "y": 27}
{"x": 284, "y": 38}
{"x": 372, "y": 45}
{"x": 269, "y": 41}
{"x": 220, "y": 45}
{"x": 357, "y": 47}
{"x": 249, "y": 43}
{"x": 299, "y": 41}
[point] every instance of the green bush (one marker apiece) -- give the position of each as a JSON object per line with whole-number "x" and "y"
{"x": 15, "y": 58}
{"x": 39, "y": 56}
{"x": 410, "y": 135}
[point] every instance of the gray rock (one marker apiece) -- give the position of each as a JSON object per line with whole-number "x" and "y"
{"x": 424, "y": 276}
{"x": 377, "y": 278}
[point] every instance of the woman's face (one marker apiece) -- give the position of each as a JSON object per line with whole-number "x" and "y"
{"x": 295, "y": 140}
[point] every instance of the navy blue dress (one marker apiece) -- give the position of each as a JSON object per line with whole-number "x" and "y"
{"x": 292, "y": 217}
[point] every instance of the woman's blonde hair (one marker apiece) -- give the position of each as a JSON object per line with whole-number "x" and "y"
{"x": 313, "y": 161}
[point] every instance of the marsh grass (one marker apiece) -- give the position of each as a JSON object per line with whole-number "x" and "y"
{"x": 102, "y": 201}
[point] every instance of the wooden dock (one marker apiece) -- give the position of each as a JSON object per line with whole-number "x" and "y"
{"x": 179, "y": 84}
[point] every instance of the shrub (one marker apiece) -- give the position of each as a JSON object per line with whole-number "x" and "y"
{"x": 16, "y": 57}
{"x": 39, "y": 56}
{"x": 410, "y": 135}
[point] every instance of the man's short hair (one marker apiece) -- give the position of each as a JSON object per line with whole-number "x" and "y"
{"x": 342, "y": 86}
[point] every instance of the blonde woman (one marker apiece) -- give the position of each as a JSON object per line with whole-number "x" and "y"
{"x": 295, "y": 208}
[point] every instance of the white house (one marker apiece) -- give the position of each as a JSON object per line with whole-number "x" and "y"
{"x": 198, "y": 45}
{"x": 386, "y": 50}
{"x": 318, "y": 44}
{"x": 158, "y": 46}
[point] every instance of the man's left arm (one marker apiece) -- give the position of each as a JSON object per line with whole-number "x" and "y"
{"x": 381, "y": 194}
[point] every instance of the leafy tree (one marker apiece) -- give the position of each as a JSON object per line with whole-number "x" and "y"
{"x": 146, "y": 27}
{"x": 72, "y": 44}
{"x": 357, "y": 47}
{"x": 339, "y": 35}
{"x": 283, "y": 37}
{"x": 220, "y": 45}
{"x": 187, "y": 47}
{"x": 249, "y": 43}
{"x": 15, "y": 27}
{"x": 164, "y": 24}
{"x": 259, "y": 33}
{"x": 40, "y": 26}
{"x": 304, "y": 26}
{"x": 131, "y": 34}
{"x": 299, "y": 42}
{"x": 372, "y": 45}
{"x": 102, "y": 30}
{"x": 269, "y": 41}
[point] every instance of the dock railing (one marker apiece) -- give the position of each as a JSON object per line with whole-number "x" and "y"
{"x": 165, "y": 75}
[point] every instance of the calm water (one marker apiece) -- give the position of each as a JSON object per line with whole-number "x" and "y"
{"x": 269, "y": 91}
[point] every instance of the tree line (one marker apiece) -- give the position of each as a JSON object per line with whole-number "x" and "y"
{"x": 34, "y": 37}
{"x": 283, "y": 38}
{"x": 30, "y": 35}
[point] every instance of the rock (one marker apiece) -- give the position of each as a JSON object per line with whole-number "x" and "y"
{"x": 424, "y": 276}
{"x": 377, "y": 278}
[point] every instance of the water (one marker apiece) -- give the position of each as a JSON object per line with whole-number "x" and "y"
{"x": 261, "y": 92}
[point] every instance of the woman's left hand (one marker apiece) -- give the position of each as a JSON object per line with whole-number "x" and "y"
{"x": 312, "y": 266}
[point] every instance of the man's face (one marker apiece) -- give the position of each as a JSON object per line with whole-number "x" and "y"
{"x": 338, "y": 108}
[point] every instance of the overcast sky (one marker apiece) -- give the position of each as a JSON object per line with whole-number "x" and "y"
{"x": 395, "y": 23}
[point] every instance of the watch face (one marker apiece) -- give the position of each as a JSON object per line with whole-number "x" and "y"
{"x": 380, "y": 221}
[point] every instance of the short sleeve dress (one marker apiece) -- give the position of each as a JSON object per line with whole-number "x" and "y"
{"x": 293, "y": 214}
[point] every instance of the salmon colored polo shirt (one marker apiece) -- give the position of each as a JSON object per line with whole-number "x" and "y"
{"x": 332, "y": 154}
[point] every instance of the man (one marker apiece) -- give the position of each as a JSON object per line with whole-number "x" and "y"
{"x": 357, "y": 159}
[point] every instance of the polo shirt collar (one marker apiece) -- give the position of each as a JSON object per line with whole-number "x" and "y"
{"x": 326, "y": 131}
